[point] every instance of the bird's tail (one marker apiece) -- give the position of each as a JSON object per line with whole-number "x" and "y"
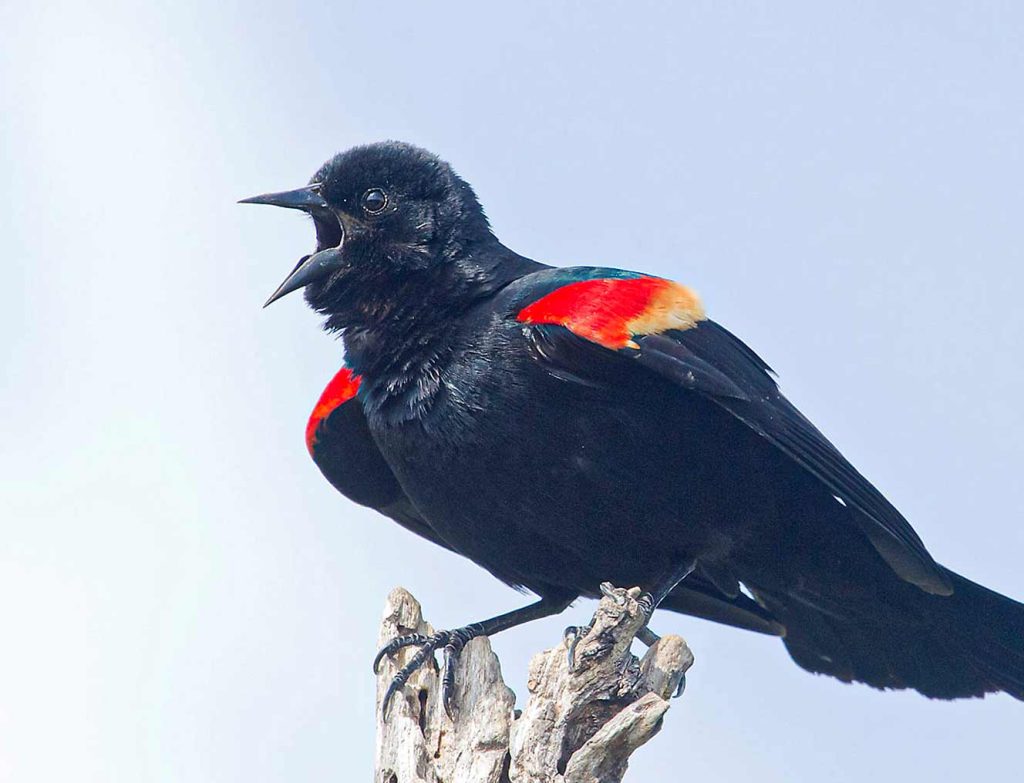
{"x": 947, "y": 647}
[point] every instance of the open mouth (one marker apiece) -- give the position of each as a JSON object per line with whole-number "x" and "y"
{"x": 329, "y": 236}
{"x": 329, "y": 232}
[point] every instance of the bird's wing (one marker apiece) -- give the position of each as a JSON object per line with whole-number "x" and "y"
{"x": 661, "y": 327}
{"x": 341, "y": 445}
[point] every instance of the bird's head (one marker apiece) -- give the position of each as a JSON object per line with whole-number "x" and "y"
{"x": 385, "y": 214}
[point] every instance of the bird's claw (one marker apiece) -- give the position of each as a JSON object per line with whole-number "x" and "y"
{"x": 452, "y": 642}
{"x": 646, "y": 603}
{"x": 680, "y": 686}
{"x": 575, "y": 633}
{"x": 608, "y": 590}
{"x": 394, "y": 646}
{"x": 572, "y": 636}
{"x": 452, "y": 652}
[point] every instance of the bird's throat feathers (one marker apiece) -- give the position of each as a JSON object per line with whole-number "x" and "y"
{"x": 398, "y": 324}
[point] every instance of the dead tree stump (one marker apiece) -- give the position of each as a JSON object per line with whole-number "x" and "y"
{"x": 577, "y": 727}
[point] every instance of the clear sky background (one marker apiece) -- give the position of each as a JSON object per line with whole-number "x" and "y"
{"x": 184, "y": 598}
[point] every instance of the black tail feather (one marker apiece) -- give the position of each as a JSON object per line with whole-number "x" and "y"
{"x": 990, "y": 627}
{"x": 947, "y": 647}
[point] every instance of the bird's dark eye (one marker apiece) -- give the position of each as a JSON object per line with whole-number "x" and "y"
{"x": 374, "y": 201}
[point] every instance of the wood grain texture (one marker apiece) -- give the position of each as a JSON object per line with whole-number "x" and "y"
{"x": 576, "y": 727}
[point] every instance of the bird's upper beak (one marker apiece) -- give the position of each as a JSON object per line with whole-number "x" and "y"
{"x": 311, "y": 267}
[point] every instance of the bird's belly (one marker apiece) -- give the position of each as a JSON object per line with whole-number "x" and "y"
{"x": 584, "y": 487}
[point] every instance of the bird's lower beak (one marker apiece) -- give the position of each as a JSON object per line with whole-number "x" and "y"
{"x": 312, "y": 267}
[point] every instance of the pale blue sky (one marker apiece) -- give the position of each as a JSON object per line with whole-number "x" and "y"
{"x": 184, "y": 598}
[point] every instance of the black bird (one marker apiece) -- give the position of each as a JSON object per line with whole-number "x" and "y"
{"x": 562, "y": 427}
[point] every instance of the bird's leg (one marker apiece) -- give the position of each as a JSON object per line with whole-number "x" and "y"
{"x": 650, "y": 638}
{"x": 453, "y": 642}
{"x": 651, "y": 600}
{"x": 647, "y": 636}
{"x": 648, "y": 602}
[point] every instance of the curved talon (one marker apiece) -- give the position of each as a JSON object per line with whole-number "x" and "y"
{"x": 646, "y": 603}
{"x": 569, "y": 636}
{"x": 573, "y": 634}
{"x": 453, "y": 643}
{"x": 394, "y": 646}
{"x": 459, "y": 639}
{"x": 608, "y": 590}
{"x": 680, "y": 686}
{"x": 451, "y": 657}
{"x": 430, "y": 644}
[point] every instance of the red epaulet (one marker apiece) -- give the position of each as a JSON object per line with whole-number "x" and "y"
{"x": 342, "y": 388}
{"x": 612, "y": 311}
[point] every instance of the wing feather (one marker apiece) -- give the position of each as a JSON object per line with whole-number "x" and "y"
{"x": 771, "y": 415}
{"x": 632, "y": 317}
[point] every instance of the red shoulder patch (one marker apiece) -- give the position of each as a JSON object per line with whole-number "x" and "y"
{"x": 342, "y": 388}
{"x": 611, "y": 311}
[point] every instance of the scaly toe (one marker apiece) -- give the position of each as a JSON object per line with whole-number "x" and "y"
{"x": 646, "y": 603}
{"x": 428, "y": 645}
{"x": 572, "y": 636}
{"x": 453, "y": 643}
{"x": 451, "y": 660}
{"x": 395, "y": 645}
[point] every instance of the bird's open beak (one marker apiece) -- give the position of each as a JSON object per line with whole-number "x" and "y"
{"x": 317, "y": 265}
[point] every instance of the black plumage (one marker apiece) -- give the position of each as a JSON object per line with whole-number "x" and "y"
{"x": 565, "y": 427}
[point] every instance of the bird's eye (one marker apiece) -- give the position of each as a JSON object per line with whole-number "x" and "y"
{"x": 375, "y": 200}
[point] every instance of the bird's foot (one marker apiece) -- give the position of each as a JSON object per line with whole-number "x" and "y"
{"x": 572, "y": 636}
{"x": 452, "y": 643}
{"x": 574, "y": 633}
{"x": 647, "y": 604}
{"x": 645, "y": 634}
{"x": 680, "y": 686}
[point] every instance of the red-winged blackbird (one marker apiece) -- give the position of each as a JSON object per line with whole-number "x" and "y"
{"x": 564, "y": 427}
